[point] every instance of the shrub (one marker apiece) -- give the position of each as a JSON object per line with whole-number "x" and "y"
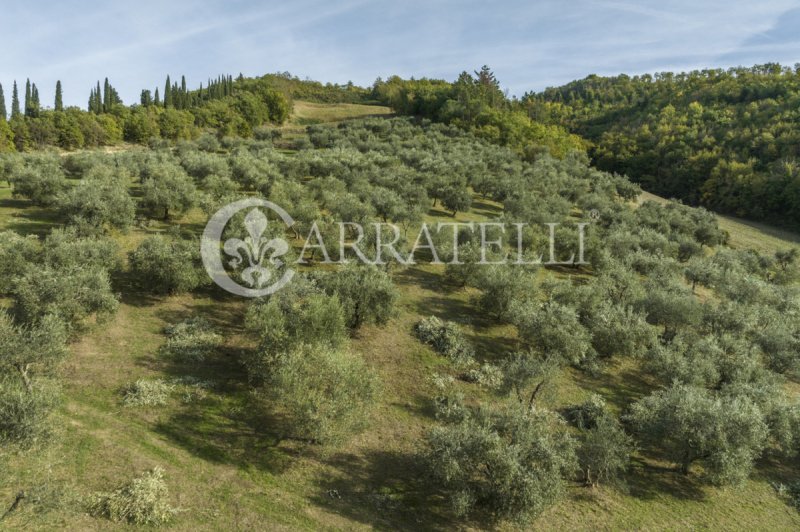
{"x": 143, "y": 501}
{"x": 446, "y": 338}
{"x": 145, "y": 392}
{"x": 165, "y": 265}
{"x": 25, "y": 411}
{"x": 191, "y": 340}
{"x": 487, "y": 375}
{"x": 326, "y": 393}
{"x": 587, "y": 414}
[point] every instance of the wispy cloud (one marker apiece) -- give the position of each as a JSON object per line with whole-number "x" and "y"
{"x": 530, "y": 45}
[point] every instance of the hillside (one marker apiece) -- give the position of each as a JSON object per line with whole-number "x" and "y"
{"x": 230, "y": 458}
{"x": 724, "y": 139}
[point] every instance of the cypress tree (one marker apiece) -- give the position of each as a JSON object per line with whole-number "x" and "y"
{"x": 28, "y": 101}
{"x": 98, "y": 99}
{"x": 59, "y": 97}
{"x": 184, "y": 92}
{"x": 168, "y": 93}
{"x": 15, "y": 112}
{"x": 35, "y": 104}
{"x": 3, "y": 113}
{"x": 157, "y": 98}
{"x": 106, "y": 96}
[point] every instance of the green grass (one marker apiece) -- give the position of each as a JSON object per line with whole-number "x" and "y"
{"x": 228, "y": 467}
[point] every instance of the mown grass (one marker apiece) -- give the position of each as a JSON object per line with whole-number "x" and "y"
{"x": 229, "y": 466}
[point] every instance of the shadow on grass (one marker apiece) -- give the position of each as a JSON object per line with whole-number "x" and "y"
{"x": 30, "y": 220}
{"x": 647, "y": 481}
{"x": 386, "y": 490}
{"x": 229, "y": 430}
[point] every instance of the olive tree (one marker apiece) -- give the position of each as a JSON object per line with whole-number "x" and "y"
{"x": 41, "y": 184}
{"x": 726, "y": 434}
{"x": 367, "y": 294}
{"x": 166, "y": 265}
{"x": 100, "y": 200}
{"x": 27, "y": 354}
{"x": 511, "y": 464}
{"x": 326, "y": 393}
{"x": 605, "y": 449}
{"x": 168, "y": 191}
{"x": 552, "y": 329}
{"x": 72, "y": 294}
{"x": 501, "y": 287}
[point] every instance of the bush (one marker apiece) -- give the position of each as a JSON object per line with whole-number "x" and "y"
{"x": 511, "y": 463}
{"x": 446, "y": 338}
{"x": 191, "y": 340}
{"x": 143, "y": 501}
{"x": 147, "y": 393}
{"x": 164, "y": 265}
{"x": 25, "y": 412}
{"x": 326, "y": 393}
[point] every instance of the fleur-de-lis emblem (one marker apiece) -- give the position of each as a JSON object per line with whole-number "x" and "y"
{"x": 255, "y": 247}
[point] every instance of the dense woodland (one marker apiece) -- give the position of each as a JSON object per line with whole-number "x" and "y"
{"x": 725, "y": 139}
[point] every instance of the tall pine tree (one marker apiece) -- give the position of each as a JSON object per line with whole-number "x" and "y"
{"x": 15, "y": 112}
{"x": 59, "y": 97}
{"x": 157, "y": 98}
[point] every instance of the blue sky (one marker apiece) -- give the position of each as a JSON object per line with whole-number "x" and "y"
{"x": 529, "y": 44}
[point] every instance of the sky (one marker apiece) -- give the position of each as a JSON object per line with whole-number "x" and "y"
{"x": 530, "y": 45}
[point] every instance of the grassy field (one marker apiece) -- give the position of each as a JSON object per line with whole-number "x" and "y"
{"x": 229, "y": 468}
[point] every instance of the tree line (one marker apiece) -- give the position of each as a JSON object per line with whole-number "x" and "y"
{"x": 226, "y": 106}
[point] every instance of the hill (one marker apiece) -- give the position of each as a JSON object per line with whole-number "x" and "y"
{"x": 229, "y": 453}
